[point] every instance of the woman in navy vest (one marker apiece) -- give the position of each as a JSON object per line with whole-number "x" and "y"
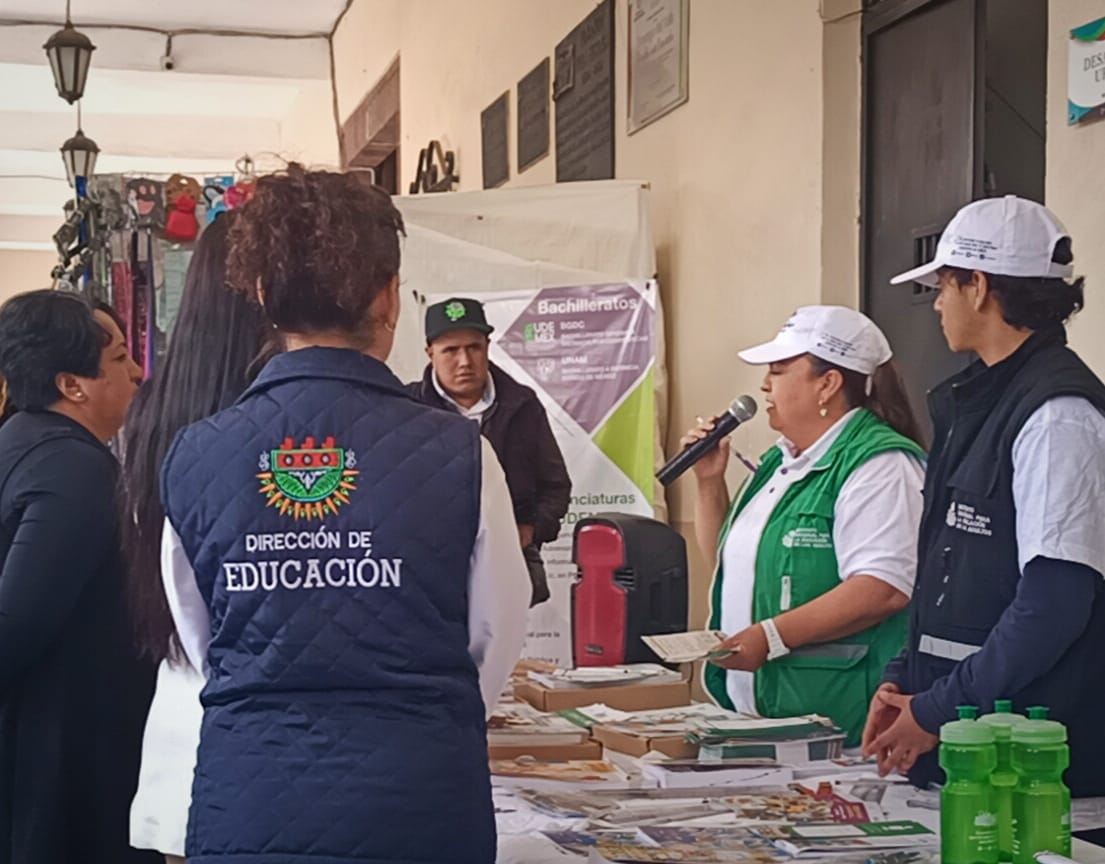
{"x": 341, "y": 562}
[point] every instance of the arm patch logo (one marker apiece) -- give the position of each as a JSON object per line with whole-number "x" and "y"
{"x": 308, "y": 481}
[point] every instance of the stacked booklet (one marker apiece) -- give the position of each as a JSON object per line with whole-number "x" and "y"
{"x": 794, "y": 741}
{"x": 518, "y": 729}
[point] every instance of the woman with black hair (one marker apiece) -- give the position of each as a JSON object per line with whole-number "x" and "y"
{"x": 216, "y": 346}
{"x": 73, "y": 692}
{"x": 1010, "y": 600}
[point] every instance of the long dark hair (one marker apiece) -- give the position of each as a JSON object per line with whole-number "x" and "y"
{"x": 888, "y": 399}
{"x": 5, "y": 403}
{"x": 217, "y": 344}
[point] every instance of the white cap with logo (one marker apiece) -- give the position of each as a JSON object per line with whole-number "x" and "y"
{"x": 1007, "y": 236}
{"x": 835, "y": 334}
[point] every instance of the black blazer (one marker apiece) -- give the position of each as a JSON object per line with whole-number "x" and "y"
{"x": 73, "y": 696}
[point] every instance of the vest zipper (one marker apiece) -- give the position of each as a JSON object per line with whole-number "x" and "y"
{"x": 784, "y": 596}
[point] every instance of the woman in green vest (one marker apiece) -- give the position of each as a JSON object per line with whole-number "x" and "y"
{"x": 816, "y": 556}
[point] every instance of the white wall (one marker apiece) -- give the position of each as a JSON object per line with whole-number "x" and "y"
{"x": 22, "y": 270}
{"x": 735, "y": 173}
{"x": 308, "y": 132}
{"x": 1076, "y": 176}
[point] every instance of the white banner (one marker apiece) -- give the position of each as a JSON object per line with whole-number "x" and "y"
{"x": 589, "y": 352}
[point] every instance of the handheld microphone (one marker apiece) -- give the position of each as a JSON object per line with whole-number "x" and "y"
{"x": 740, "y": 411}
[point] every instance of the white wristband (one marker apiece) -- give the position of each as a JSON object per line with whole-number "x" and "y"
{"x": 776, "y": 647}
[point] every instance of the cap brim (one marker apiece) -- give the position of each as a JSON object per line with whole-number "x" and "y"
{"x": 925, "y": 274}
{"x": 769, "y": 352}
{"x": 486, "y": 329}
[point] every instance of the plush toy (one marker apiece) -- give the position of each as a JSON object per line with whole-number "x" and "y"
{"x": 146, "y": 199}
{"x": 182, "y": 194}
{"x": 239, "y": 194}
{"x": 214, "y": 194}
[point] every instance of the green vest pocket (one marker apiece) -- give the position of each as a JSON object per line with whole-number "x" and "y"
{"x": 829, "y": 679}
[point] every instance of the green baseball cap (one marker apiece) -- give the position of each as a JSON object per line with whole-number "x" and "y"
{"x": 456, "y": 313}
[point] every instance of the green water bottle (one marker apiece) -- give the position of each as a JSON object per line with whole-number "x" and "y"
{"x": 1041, "y": 801}
{"x": 1004, "y": 778}
{"x": 968, "y": 823}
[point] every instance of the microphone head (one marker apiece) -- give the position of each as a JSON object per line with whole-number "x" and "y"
{"x": 743, "y": 408}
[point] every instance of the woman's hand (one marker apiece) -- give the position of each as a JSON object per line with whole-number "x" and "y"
{"x": 903, "y": 740}
{"x": 880, "y": 717}
{"x": 713, "y": 464}
{"x": 749, "y": 649}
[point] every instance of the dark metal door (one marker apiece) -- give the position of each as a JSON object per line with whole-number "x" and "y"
{"x": 922, "y": 143}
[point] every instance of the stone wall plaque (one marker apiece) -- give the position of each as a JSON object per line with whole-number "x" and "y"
{"x": 533, "y": 116}
{"x": 494, "y": 146}
{"x": 583, "y": 90}
{"x": 657, "y": 70}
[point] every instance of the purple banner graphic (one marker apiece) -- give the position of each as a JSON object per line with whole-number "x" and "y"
{"x": 585, "y": 345}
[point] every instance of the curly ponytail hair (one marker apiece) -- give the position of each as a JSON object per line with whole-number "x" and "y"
{"x": 319, "y": 245}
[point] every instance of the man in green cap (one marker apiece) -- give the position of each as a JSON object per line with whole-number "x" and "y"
{"x": 461, "y": 378}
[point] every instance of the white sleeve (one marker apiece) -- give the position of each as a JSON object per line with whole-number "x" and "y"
{"x": 190, "y": 614}
{"x": 498, "y": 585}
{"x": 877, "y": 518}
{"x": 1059, "y": 484}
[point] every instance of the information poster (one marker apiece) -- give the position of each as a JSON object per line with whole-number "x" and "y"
{"x": 589, "y": 352}
{"x": 1086, "y": 72}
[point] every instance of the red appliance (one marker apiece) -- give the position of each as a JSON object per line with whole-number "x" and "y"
{"x": 631, "y": 581}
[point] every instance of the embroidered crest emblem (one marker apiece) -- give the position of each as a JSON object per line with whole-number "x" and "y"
{"x": 455, "y": 311}
{"x": 307, "y": 482}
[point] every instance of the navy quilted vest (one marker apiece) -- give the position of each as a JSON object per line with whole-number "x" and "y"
{"x": 330, "y": 520}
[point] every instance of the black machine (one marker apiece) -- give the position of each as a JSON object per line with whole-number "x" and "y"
{"x": 631, "y": 582}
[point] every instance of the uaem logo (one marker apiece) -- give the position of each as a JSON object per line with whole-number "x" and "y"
{"x": 308, "y": 481}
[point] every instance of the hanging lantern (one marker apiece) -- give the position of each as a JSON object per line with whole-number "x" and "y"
{"x": 79, "y": 153}
{"x": 70, "y": 53}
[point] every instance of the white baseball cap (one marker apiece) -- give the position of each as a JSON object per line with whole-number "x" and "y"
{"x": 835, "y": 334}
{"x": 1007, "y": 236}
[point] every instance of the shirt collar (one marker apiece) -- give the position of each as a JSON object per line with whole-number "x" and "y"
{"x": 337, "y": 363}
{"x": 477, "y": 410}
{"x": 819, "y": 448}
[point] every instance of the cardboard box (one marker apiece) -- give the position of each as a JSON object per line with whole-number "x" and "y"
{"x": 626, "y": 697}
{"x": 562, "y": 753}
{"x": 674, "y": 746}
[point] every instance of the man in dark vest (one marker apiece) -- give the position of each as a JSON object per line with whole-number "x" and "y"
{"x": 460, "y": 378}
{"x": 1009, "y": 600}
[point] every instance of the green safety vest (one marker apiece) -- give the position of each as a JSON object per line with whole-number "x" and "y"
{"x": 795, "y": 563}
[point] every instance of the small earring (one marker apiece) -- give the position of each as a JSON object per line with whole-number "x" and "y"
{"x": 824, "y": 412}
{"x": 389, "y": 327}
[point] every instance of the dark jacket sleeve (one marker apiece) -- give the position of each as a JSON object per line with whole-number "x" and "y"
{"x": 554, "y": 486}
{"x": 1049, "y": 612}
{"x": 63, "y": 495}
{"x": 894, "y": 673}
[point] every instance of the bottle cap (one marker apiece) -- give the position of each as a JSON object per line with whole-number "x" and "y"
{"x": 967, "y": 712}
{"x": 966, "y": 731}
{"x": 1037, "y": 712}
{"x": 1040, "y": 732}
{"x": 1003, "y": 719}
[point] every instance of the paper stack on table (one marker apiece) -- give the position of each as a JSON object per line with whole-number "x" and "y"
{"x": 574, "y": 774}
{"x": 519, "y": 723}
{"x": 792, "y": 741}
{"x": 606, "y": 676}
